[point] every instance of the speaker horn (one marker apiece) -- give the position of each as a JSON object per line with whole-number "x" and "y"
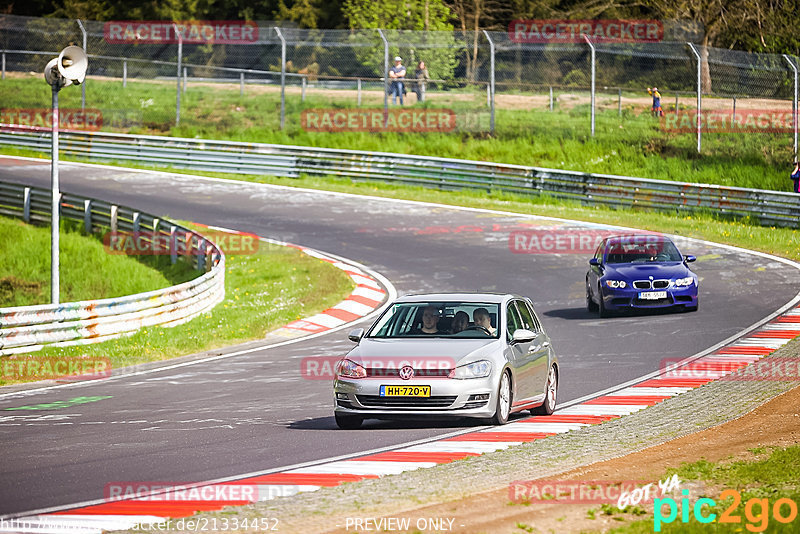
{"x": 72, "y": 64}
{"x": 51, "y": 74}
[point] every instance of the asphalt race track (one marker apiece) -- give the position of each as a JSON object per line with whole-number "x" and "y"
{"x": 256, "y": 412}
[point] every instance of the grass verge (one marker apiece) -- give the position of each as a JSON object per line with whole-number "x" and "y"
{"x": 263, "y": 291}
{"x": 25, "y": 268}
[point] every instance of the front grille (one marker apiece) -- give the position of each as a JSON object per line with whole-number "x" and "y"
{"x": 660, "y": 284}
{"x": 425, "y": 373}
{"x": 642, "y": 284}
{"x": 376, "y": 401}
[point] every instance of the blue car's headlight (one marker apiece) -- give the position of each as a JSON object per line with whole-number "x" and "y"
{"x": 682, "y": 282}
{"x": 479, "y": 369}
{"x": 614, "y": 284}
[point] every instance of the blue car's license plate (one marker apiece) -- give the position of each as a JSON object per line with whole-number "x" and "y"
{"x": 653, "y": 295}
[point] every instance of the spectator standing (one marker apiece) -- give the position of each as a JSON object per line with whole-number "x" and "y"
{"x": 397, "y": 74}
{"x": 796, "y": 177}
{"x": 656, "y": 109}
{"x": 421, "y": 74}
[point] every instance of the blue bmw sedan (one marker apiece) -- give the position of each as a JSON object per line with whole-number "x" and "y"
{"x": 639, "y": 272}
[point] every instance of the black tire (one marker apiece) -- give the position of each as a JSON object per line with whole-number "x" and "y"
{"x": 604, "y": 312}
{"x": 504, "y": 400}
{"x": 348, "y": 422}
{"x": 591, "y": 305}
{"x": 550, "y": 394}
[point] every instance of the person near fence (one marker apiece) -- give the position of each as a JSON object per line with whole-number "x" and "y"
{"x": 397, "y": 73}
{"x": 422, "y": 76}
{"x": 656, "y": 109}
{"x": 796, "y": 177}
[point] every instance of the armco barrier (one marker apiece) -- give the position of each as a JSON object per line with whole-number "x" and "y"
{"x": 771, "y": 208}
{"x": 29, "y": 328}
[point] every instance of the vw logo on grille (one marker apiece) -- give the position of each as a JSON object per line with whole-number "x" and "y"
{"x": 406, "y": 372}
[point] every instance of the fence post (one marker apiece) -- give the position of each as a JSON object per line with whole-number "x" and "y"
{"x": 241, "y": 83}
{"x": 83, "y": 85}
{"x": 283, "y": 76}
{"x": 591, "y": 47}
{"x": 359, "y": 92}
{"x": 794, "y": 103}
{"x": 303, "y": 82}
{"x": 676, "y": 102}
{"x": 491, "y": 86}
{"x": 4, "y": 66}
{"x": 619, "y": 102}
{"x": 385, "y": 79}
{"x": 185, "y": 75}
{"x": 178, "y": 75}
{"x": 734, "y": 108}
{"x": 551, "y": 98}
{"x": 699, "y": 97}
{"x": 124, "y": 73}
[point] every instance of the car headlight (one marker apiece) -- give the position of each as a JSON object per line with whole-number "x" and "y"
{"x": 479, "y": 369}
{"x": 681, "y": 282}
{"x": 614, "y": 284}
{"x": 349, "y": 369}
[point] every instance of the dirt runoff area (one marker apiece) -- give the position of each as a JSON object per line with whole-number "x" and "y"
{"x": 774, "y": 424}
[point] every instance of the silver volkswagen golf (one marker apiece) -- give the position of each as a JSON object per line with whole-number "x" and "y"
{"x": 476, "y": 355}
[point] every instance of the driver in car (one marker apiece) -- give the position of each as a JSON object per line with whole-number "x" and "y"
{"x": 482, "y": 318}
{"x": 430, "y": 321}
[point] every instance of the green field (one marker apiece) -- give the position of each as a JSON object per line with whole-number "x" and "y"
{"x": 25, "y": 269}
{"x": 632, "y": 144}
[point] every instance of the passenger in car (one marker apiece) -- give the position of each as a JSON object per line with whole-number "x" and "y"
{"x": 430, "y": 321}
{"x": 460, "y": 322}
{"x": 482, "y": 318}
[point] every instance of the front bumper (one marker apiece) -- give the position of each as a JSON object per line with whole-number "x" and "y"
{"x": 628, "y": 298}
{"x": 475, "y": 397}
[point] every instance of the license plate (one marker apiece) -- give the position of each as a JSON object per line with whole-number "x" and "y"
{"x": 653, "y": 295}
{"x": 405, "y": 391}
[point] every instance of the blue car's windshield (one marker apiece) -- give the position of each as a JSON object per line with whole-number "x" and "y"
{"x": 477, "y": 320}
{"x": 660, "y": 251}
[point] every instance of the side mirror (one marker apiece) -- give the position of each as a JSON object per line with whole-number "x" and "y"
{"x": 356, "y": 335}
{"x": 689, "y": 258}
{"x": 523, "y": 336}
{"x": 594, "y": 262}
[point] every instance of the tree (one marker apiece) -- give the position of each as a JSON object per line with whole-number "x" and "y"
{"x": 474, "y": 16}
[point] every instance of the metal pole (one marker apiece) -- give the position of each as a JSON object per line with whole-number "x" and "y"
{"x": 385, "y": 78}
{"x": 241, "y": 83}
{"x": 55, "y": 204}
{"x": 283, "y": 76}
{"x": 4, "y": 66}
{"x": 794, "y": 103}
{"x": 83, "y": 85}
{"x": 676, "y": 102}
{"x": 699, "y": 97}
{"x": 591, "y": 47}
{"x": 734, "y": 109}
{"x": 359, "y": 92}
{"x": 551, "y": 98}
{"x": 491, "y": 80}
{"x": 185, "y": 75}
{"x": 619, "y": 102}
{"x": 125, "y": 73}
{"x": 178, "y": 75}
{"x": 304, "y": 82}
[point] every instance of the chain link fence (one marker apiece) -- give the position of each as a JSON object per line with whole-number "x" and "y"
{"x": 275, "y": 77}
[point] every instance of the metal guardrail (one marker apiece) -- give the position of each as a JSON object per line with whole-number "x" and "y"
{"x": 770, "y": 208}
{"x": 30, "y": 328}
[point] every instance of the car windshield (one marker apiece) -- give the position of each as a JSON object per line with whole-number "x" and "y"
{"x": 474, "y": 320}
{"x": 659, "y": 251}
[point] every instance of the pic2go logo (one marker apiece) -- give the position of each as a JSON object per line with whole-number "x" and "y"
{"x": 757, "y": 522}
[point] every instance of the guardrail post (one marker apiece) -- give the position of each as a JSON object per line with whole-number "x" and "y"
{"x": 156, "y": 240}
{"x": 87, "y": 216}
{"x": 303, "y": 90}
{"x": 794, "y": 102}
{"x": 178, "y": 76}
{"x": 83, "y": 85}
{"x": 241, "y": 83}
{"x": 173, "y": 245}
{"x": 591, "y": 47}
{"x": 491, "y": 87}
{"x": 201, "y": 255}
{"x": 699, "y": 96}
{"x": 124, "y": 73}
{"x": 385, "y": 78}
{"x": 26, "y": 204}
{"x": 113, "y": 215}
{"x": 283, "y": 76}
{"x": 136, "y": 222}
{"x": 359, "y": 92}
